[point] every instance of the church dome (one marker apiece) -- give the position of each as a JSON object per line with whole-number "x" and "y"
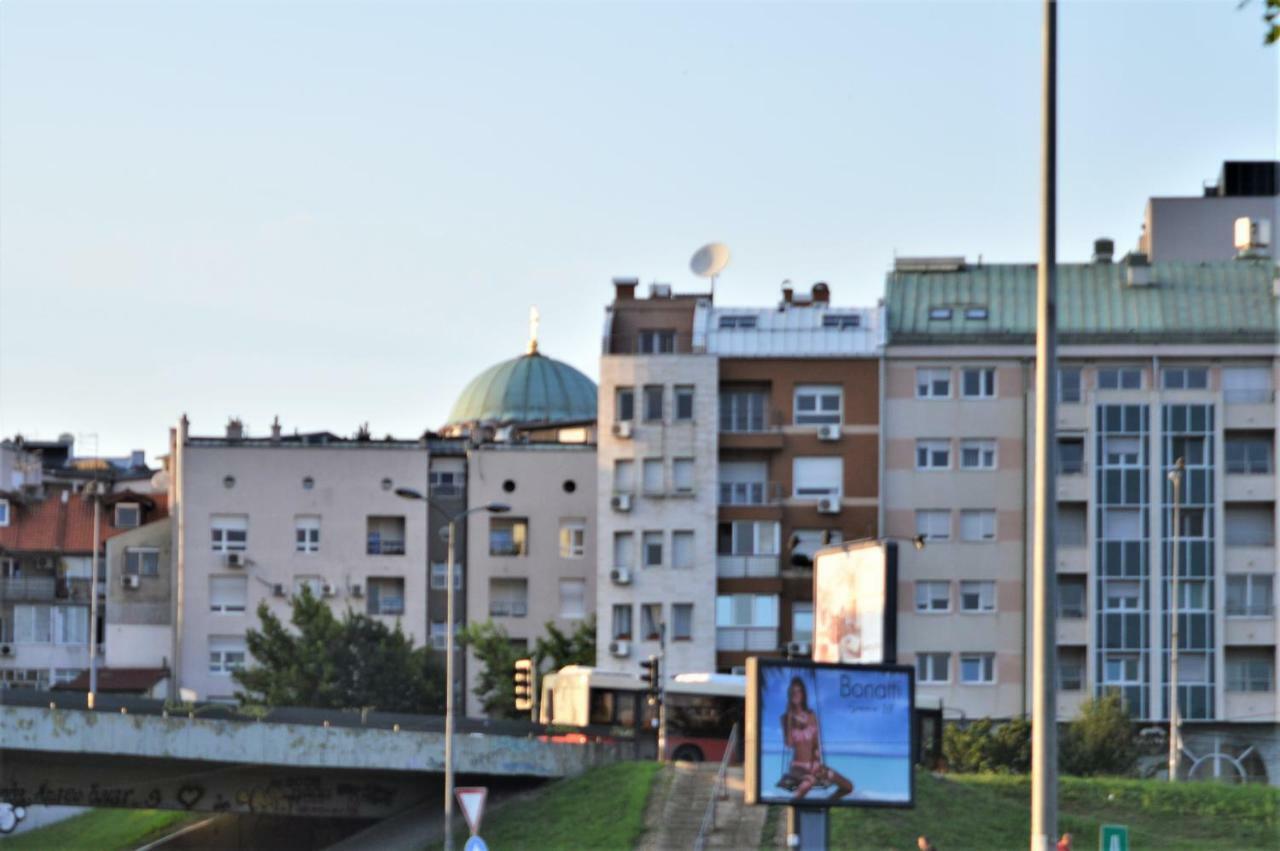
{"x": 528, "y": 390}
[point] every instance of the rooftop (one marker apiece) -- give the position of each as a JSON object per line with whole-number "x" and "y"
{"x": 62, "y": 522}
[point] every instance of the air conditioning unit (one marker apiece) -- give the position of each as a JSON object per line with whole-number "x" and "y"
{"x": 620, "y": 576}
{"x": 622, "y": 429}
{"x": 130, "y": 581}
{"x": 621, "y": 649}
{"x": 328, "y": 589}
{"x": 828, "y": 432}
{"x": 798, "y": 648}
{"x": 829, "y": 505}
{"x": 277, "y": 589}
{"x": 357, "y": 591}
{"x": 6, "y": 649}
{"x": 621, "y": 502}
{"x": 234, "y": 559}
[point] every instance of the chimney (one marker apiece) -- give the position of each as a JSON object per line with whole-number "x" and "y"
{"x": 821, "y": 293}
{"x": 138, "y": 458}
{"x": 787, "y": 291}
{"x": 624, "y": 289}
{"x": 275, "y": 429}
{"x": 1104, "y": 249}
{"x": 1138, "y": 269}
{"x": 235, "y": 429}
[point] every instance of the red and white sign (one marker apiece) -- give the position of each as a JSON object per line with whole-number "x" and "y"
{"x": 471, "y": 800}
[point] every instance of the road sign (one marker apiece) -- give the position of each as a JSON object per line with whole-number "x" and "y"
{"x": 475, "y": 843}
{"x": 471, "y": 799}
{"x": 1113, "y": 837}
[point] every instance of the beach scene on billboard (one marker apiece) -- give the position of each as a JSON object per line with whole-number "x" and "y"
{"x": 834, "y": 735}
{"x": 849, "y": 615}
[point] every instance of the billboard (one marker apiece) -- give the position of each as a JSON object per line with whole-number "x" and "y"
{"x": 855, "y": 603}
{"x": 829, "y": 735}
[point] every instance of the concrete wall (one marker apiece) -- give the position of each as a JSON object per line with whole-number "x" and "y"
{"x": 1195, "y": 230}
{"x": 139, "y": 621}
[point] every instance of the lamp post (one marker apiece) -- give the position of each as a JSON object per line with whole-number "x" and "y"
{"x": 450, "y": 583}
{"x": 96, "y": 490}
{"x": 1175, "y": 478}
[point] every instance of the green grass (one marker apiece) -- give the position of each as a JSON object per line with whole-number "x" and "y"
{"x": 100, "y": 830}
{"x": 992, "y": 812}
{"x": 600, "y": 810}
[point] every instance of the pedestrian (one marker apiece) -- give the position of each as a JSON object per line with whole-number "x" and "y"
{"x": 1064, "y": 844}
{"x": 923, "y": 843}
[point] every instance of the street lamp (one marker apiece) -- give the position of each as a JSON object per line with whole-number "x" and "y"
{"x": 1175, "y": 478}
{"x": 492, "y": 508}
{"x": 95, "y": 491}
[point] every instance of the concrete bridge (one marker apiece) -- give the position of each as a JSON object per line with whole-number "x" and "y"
{"x": 359, "y": 765}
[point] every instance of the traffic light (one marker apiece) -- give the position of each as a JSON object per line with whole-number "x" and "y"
{"x": 524, "y": 684}
{"x": 652, "y": 673}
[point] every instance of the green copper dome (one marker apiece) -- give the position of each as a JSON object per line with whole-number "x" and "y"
{"x": 529, "y": 389}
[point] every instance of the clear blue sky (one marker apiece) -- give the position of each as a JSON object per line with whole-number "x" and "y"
{"x": 338, "y": 214}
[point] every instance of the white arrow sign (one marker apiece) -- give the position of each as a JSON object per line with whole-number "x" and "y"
{"x": 471, "y": 799}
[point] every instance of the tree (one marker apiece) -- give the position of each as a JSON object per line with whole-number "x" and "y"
{"x": 1270, "y": 19}
{"x": 1100, "y": 740}
{"x": 497, "y": 655}
{"x": 341, "y": 664}
{"x": 556, "y": 649}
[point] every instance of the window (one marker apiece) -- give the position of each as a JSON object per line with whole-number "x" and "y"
{"x": 1122, "y": 524}
{"x": 933, "y": 455}
{"x": 385, "y": 536}
{"x": 651, "y": 621}
{"x": 975, "y": 313}
{"x": 817, "y": 404}
{"x": 1190, "y": 449}
{"x": 1250, "y": 595}
{"x": 977, "y": 668}
{"x": 508, "y": 598}
{"x": 1193, "y": 525}
{"x": 622, "y": 621}
{"x": 813, "y": 478}
{"x": 4, "y": 512}
{"x": 141, "y": 561}
{"x": 802, "y": 622}
{"x": 657, "y": 342}
{"x": 1249, "y": 673}
{"x": 573, "y": 598}
{"x": 934, "y": 524}
{"x": 438, "y": 573}
{"x": 749, "y": 538}
{"x": 226, "y": 654}
{"x": 684, "y": 402}
{"x": 1248, "y": 385}
{"x": 682, "y": 475}
{"x": 759, "y": 610}
{"x": 977, "y": 454}
{"x": 1249, "y": 454}
{"x": 573, "y": 537}
{"x": 743, "y": 410}
{"x": 1185, "y": 377}
{"x": 508, "y": 536}
{"x": 51, "y": 624}
{"x": 978, "y": 525}
{"x": 128, "y": 515}
{"x": 1120, "y": 378}
{"x": 1121, "y": 596}
{"x": 623, "y": 549}
{"x": 933, "y": 596}
{"x": 1070, "y": 671}
{"x": 1071, "y": 456}
{"x": 978, "y": 383}
{"x": 682, "y": 622}
{"x": 653, "y": 403}
{"x": 842, "y": 321}
{"x": 624, "y": 476}
{"x": 1121, "y": 451}
{"x": 682, "y": 549}
{"x": 1193, "y": 595}
{"x": 446, "y": 483}
{"x": 1069, "y": 385}
{"x": 624, "y": 409}
{"x": 977, "y": 596}
{"x": 933, "y": 667}
{"x": 314, "y": 584}
{"x": 385, "y": 595}
{"x": 939, "y": 313}
{"x": 652, "y": 543}
{"x": 1120, "y": 669}
{"x": 306, "y": 532}
{"x": 1248, "y": 526}
{"x": 1071, "y": 594}
{"x": 652, "y": 475}
{"x": 933, "y": 383}
{"x": 739, "y": 321}
{"x": 230, "y": 533}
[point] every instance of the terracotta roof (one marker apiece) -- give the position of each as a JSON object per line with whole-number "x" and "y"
{"x": 130, "y": 680}
{"x": 51, "y": 525}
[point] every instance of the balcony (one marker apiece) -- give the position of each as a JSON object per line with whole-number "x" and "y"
{"x": 1073, "y": 417}
{"x": 30, "y": 588}
{"x": 749, "y": 494}
{"x": 747, "y": 567}
{"x": 1072, "y": 631}
{"x": 379, "y": 546}
{"x": 658, "y": 341}
{"x": 385, "y": 536}
{"x": 1239, "y": 487}
{"x": 749, "y": 427}
{"x": 1246, "y": 559}
{"x": 1251, "y": 632}
{"x": 1073, "y": 559}
{"x": 748, "y": 639}
{"x": 1249, "y": 409}
{"x": 508, "y": 608}
{"x": 1073, "y": 488}
{"x": 76, "y": 589}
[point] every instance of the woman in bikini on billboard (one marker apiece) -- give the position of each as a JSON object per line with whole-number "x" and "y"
{"x": 800, "y": 733}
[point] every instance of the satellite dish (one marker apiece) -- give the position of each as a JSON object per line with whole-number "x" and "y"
{"x": 709, "y": 260}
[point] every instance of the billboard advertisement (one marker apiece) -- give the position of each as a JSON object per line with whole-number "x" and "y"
{"x": 829, "y": 735}
{"x": 855, "y": 603}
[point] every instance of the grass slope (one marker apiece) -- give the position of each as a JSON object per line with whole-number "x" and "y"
{"x": 600, "y": 810}
{"x": 100, "y": 830}
{"x": 992, "y": 811}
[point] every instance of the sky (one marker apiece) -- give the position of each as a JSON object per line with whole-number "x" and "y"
{"x": 339, "y": 213}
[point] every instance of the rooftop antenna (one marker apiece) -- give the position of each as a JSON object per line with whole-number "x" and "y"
{"x": 709, "y": 261}
{"x": 533, "y": 330}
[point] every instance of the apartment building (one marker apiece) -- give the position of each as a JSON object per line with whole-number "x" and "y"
{"x": 1201, "y": 227}
{"x": 1157, "y": 362}
{"x": 734, "y": 442}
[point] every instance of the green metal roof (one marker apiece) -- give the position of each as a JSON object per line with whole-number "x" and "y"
{"x": 1229, "y": 301}
{"x": 529, "y": 389}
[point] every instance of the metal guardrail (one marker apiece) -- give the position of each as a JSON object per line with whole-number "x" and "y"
{"x": 717, "y": 792}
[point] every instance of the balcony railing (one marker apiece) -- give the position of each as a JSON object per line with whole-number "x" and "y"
{"x": 508, "y": 608}
{"x": 451, "y": 491}
{"x": 740, "y": 639}
{"x": 1248, "y": 397}
{"x": 29, "y": 588}
{"x": 385, "y": 546}
{"x": 750, "y": 422}
{"x": 746, "y": 567}
{"x": 657, "y": 342}
{"x": 749, "y": 493}
{"x": 505, "y": 548}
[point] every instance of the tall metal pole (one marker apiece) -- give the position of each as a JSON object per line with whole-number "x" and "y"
{"x": 1044, "y": 738}
{"x": 449, "y": 689}
{"x": 1175, "y": 476}
{"x": 93, "y": 594}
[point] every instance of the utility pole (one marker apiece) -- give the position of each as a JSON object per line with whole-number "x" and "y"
{"x": 95, "y": 488}
{"x": 1044, "y": 738}
{"x": 1175, "y": 606}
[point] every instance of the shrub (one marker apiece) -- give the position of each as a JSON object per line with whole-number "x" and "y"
{"x": 985, "y": 746}
{"x": 1100, "y": 741}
